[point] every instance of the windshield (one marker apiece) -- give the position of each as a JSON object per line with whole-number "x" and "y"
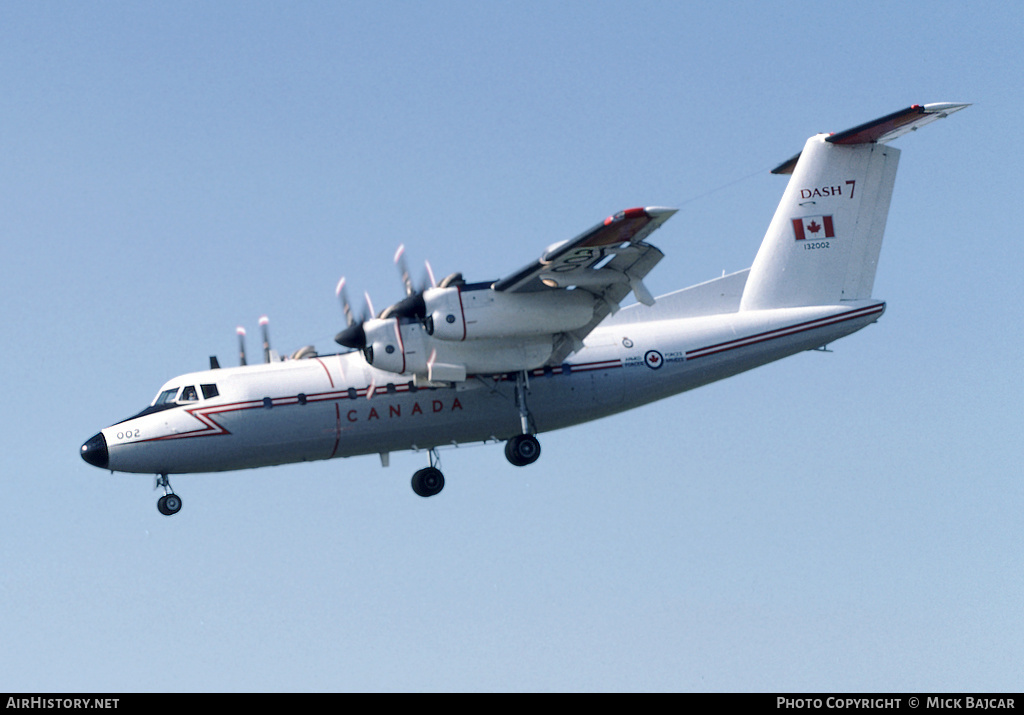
{"x": 166, "y": 397}
{"x": 177, "y": 395}
{"x": 174, "y": 396}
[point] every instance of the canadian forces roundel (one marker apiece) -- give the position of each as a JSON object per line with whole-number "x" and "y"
{"x": 653, "y": 359}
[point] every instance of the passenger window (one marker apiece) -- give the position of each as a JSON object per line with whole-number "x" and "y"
{"x": 188, "y": 394}
{"x": 209, "y": 391}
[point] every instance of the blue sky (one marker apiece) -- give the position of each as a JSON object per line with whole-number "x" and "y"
{"x": 843, "y": 521}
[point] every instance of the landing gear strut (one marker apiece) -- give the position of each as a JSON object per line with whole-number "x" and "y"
{"x": 429, "y": 481}
{"x": 170, "y": 503}
{"x": 524, "y": 448}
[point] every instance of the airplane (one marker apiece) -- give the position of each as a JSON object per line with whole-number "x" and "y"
{"x": 545, "y": 347}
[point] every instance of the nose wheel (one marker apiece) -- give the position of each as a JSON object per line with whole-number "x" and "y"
{"x": 429, "y": 481}
{"x": 170, "y": 503}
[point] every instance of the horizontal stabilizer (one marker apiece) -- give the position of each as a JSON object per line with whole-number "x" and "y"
{"x": 884, "y": 129}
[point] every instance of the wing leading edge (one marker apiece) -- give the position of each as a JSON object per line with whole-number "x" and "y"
{"x": 587, "y": 260}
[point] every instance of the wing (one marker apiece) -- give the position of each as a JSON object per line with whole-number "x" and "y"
{"x": 610, "y": 260}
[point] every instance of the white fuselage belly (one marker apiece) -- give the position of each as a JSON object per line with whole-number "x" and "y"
{"x": 318, "y": 408}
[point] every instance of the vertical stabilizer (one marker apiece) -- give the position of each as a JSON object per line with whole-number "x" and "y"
{"x": 823, "y": 244}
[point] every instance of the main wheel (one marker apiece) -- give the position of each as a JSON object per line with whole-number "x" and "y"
{"x": 522, "y": 449}
{"x": 169, "y": 504}
{"x": 428, "y": 481}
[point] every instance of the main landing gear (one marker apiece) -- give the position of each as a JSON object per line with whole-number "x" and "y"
{"x": 520, "y": 450}
{"x": 170, "y": 503}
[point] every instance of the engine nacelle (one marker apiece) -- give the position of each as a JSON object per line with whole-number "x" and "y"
{"x": 385, "y": 346}
{"x": 455, "y": 313}
{"x": 403, "y": 347}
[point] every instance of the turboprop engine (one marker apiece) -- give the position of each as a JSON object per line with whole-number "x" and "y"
{"x": 404, "y": 347}
{"x": 457, "y": 314}
{"x": 449, "y": 332}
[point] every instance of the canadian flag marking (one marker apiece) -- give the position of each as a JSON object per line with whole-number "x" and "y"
{"x": 813, "y": 227}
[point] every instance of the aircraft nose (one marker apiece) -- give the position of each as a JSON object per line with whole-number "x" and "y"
{"x": 95, "y": 451}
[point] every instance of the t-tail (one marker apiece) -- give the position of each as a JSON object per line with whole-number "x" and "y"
{"x": 822, "y": 245}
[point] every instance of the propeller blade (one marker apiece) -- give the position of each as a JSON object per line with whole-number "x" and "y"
{"x": 403, "y": 270}
{"x": 264, "y": 321}
{"x": 346, "y": 307}
{"x": 430, "y": 274}
{"x": 241, "y": 344}
{"x": 369, "y": 304}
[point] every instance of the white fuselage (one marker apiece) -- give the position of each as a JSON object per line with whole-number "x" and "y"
{"x": 338, "y": 406}
{"x": 546, "y": 346}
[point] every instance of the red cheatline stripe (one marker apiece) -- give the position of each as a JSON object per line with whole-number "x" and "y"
{"x": 212, "y": 428}
{"x": 782, "y": 332}
{"x": 576, "y": 367}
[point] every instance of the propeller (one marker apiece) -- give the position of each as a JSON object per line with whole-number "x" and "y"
{"x": 353, "y": 336}
{"x": 412, "y": 306}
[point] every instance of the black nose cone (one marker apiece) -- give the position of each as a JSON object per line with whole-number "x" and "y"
{"x": 95, "y": 451}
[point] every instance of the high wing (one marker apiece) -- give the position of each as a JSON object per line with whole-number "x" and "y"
{"x": 534, "y": 317}
{"x": 609, "y": 260}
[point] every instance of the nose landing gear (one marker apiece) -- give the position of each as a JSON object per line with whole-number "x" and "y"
{"x": 170, "y": 503}
{"x": 429, "y": 481}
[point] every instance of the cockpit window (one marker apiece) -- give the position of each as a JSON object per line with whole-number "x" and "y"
{"x": 188, "y": 394}
{"x": 209, "y": 391}
{"x": 166, "y": 397}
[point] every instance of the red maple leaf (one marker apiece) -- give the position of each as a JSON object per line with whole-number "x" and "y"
{"x": 813, "y": 227}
